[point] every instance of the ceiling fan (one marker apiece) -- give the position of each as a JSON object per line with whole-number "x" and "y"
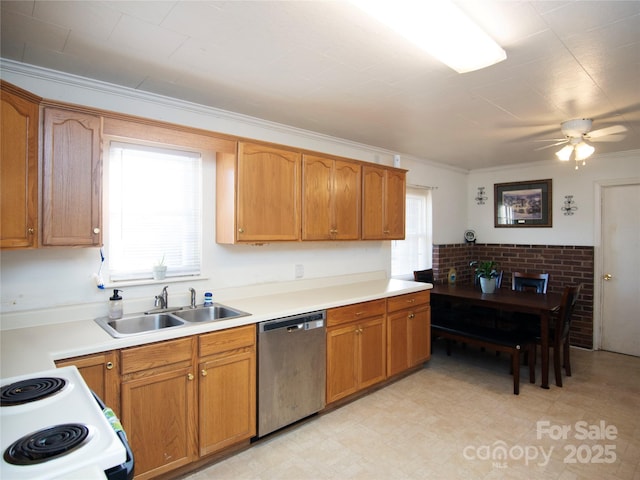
{"x": 578, "y": 136}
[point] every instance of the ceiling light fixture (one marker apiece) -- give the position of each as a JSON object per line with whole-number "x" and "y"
{"x": 577, "y": 146}
{"x": 440, "y": 28}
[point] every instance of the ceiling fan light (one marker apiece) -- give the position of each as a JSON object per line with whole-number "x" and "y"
{"x": 584, "y": 150}
{"x": 564, "y": 153}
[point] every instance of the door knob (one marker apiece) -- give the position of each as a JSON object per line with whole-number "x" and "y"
{"x": 607, "y": 276}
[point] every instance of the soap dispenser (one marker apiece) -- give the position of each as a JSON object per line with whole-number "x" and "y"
{"x": 115, "y": 305}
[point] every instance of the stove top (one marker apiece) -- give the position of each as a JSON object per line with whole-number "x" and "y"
{"x": 52, "y": 426}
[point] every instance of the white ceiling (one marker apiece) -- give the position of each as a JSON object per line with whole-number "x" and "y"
{"x": 323, "y": 66}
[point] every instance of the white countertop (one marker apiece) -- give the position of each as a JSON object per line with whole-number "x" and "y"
{"x": 35, "y": 348}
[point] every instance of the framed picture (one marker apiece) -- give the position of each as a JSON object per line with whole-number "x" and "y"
{"x": 523, "y": 204}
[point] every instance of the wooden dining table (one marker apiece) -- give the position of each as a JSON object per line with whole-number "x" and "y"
{"x": 539, "y": 304}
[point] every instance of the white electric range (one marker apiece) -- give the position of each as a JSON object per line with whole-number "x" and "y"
{"x": 53, "y": 427}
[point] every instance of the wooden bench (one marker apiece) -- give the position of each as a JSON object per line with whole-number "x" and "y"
{"x": 511, "y": 342}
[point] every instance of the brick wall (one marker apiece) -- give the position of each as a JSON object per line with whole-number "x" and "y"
{"x": 565, "y": 265}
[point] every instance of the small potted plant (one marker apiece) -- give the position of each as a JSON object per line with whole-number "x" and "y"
{"x": 160, "y": 270}
{"x": 487, "y": 273}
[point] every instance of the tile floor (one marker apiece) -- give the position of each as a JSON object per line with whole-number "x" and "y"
{"x": 458, "y": 419}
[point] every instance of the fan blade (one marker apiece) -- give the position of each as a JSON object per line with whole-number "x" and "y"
{"x": 608, "y": 138}
{"x": 613, "y": 129}
{"x": 549, "y": 146}
{"x": 550, "y": 140}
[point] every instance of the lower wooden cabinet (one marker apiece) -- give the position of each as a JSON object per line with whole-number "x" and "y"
{"x": 159, "y": 392}
{"x": 173, "y": 412}
{"x": 100, "y": 372}
{"x": 408, "y": 331}
{"x": 227, "y": 388}
{"x": 356, "y": 342}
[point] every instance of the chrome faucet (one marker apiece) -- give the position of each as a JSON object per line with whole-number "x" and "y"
{"x": 193, "y": 297}
{"x": 162, "y": 300}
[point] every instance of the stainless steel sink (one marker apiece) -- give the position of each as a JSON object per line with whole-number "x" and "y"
{"x": 209, "y": 314}
{"x": 127, "y": 326}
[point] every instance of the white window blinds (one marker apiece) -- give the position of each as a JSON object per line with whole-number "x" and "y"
{"x": 415, "y": 251}
{"x": 155, "y": 211}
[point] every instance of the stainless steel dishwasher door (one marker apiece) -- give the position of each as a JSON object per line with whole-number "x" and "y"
{"x": 291, "y": 370}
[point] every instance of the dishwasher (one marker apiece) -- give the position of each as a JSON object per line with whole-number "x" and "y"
{"x": 291, "y": 370}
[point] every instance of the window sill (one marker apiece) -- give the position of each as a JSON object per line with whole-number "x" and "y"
{"x": 150, "y": 281}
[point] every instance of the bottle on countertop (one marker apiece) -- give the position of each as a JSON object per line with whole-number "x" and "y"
{"x": 208, "y": 299}
{"x": 115, "y": 305}
{"x": 452, "y": 276}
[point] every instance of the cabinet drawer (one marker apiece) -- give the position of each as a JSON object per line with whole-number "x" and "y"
{"x": 156, "y": 355}
{"x": 349, "y": 313}
{"x": 407, "y": 301}
{"x": 225, "y": 340}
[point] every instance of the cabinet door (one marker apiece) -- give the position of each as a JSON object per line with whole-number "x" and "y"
{"x": 395, "y": 208}
{"x": 268, "y": 194}
{"x": 397, "y": 342}
{"x": 373, "y": 203}
{"x": 100, "y": 372}
{"x": 72, "y": 179}
{"x": 347, "y": 194}
{"x": 159, "y": 416}
{"x": 18, "y": 170}
{"x": 372, "y": 348}
{"x": 383, "y": 208}
{"x": 317, "y": 198}
{"x": 227, "y": 400}
{"x": 420, "y": 336}
{"x": 342, "y": 362}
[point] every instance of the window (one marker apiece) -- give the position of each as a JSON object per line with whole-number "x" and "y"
{"x": 154, "y": 208}
{"x": 414, "y": 252}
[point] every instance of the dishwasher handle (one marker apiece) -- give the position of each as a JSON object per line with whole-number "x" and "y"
{"x": 306, "y": 321}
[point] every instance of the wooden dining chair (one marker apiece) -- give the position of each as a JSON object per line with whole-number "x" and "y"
{"x": 537, "y": 282}
{"x": 425, "y": 276}
{"x": 559, "y": 332}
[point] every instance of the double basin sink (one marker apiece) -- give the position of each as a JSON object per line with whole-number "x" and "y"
{"x": 171, "y": 318}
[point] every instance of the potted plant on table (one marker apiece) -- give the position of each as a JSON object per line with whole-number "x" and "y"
{"x": 487, "y": 273}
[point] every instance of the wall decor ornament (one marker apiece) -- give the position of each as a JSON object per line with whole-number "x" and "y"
{"x": 480, "y": 196}
{"x": 523, "y": 204}
{"x": 569, "y": 205}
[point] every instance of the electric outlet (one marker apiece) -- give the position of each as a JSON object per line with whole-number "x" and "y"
{"x": 299, "y": 270}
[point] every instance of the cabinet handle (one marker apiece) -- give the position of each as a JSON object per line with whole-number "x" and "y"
{"x": 30, "y": 231}
{"x": 359, "y": 313}
{"x": 386, "y": 232}
{"x": 204, "y": 372}
{"x": 109, "y": 365}
{"x": 190, "y": 376}
{"x": 241, "y": 230}
{"x": 96, "y": 230}
{"x": 412, "y": 300}
{"x": 412, "y": 315}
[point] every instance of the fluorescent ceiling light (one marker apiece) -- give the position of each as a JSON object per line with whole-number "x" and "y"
{"x": 440, "y": 28}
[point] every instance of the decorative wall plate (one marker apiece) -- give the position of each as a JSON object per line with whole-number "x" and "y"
{"x": 470, "y": 236}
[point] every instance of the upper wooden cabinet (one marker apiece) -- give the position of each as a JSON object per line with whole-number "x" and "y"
{"x": 331, "y": 193}
{"x": 383, "y": 205}
{"x": 18, "y": 168}
{"x": 258, "y": 195}
{"x": 72, "y": 179}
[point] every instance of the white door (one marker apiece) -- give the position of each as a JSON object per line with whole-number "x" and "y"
{"x": 621, "y": 269}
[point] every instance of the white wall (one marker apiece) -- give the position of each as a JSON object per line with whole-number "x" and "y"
{"x": 576, "y": 229}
